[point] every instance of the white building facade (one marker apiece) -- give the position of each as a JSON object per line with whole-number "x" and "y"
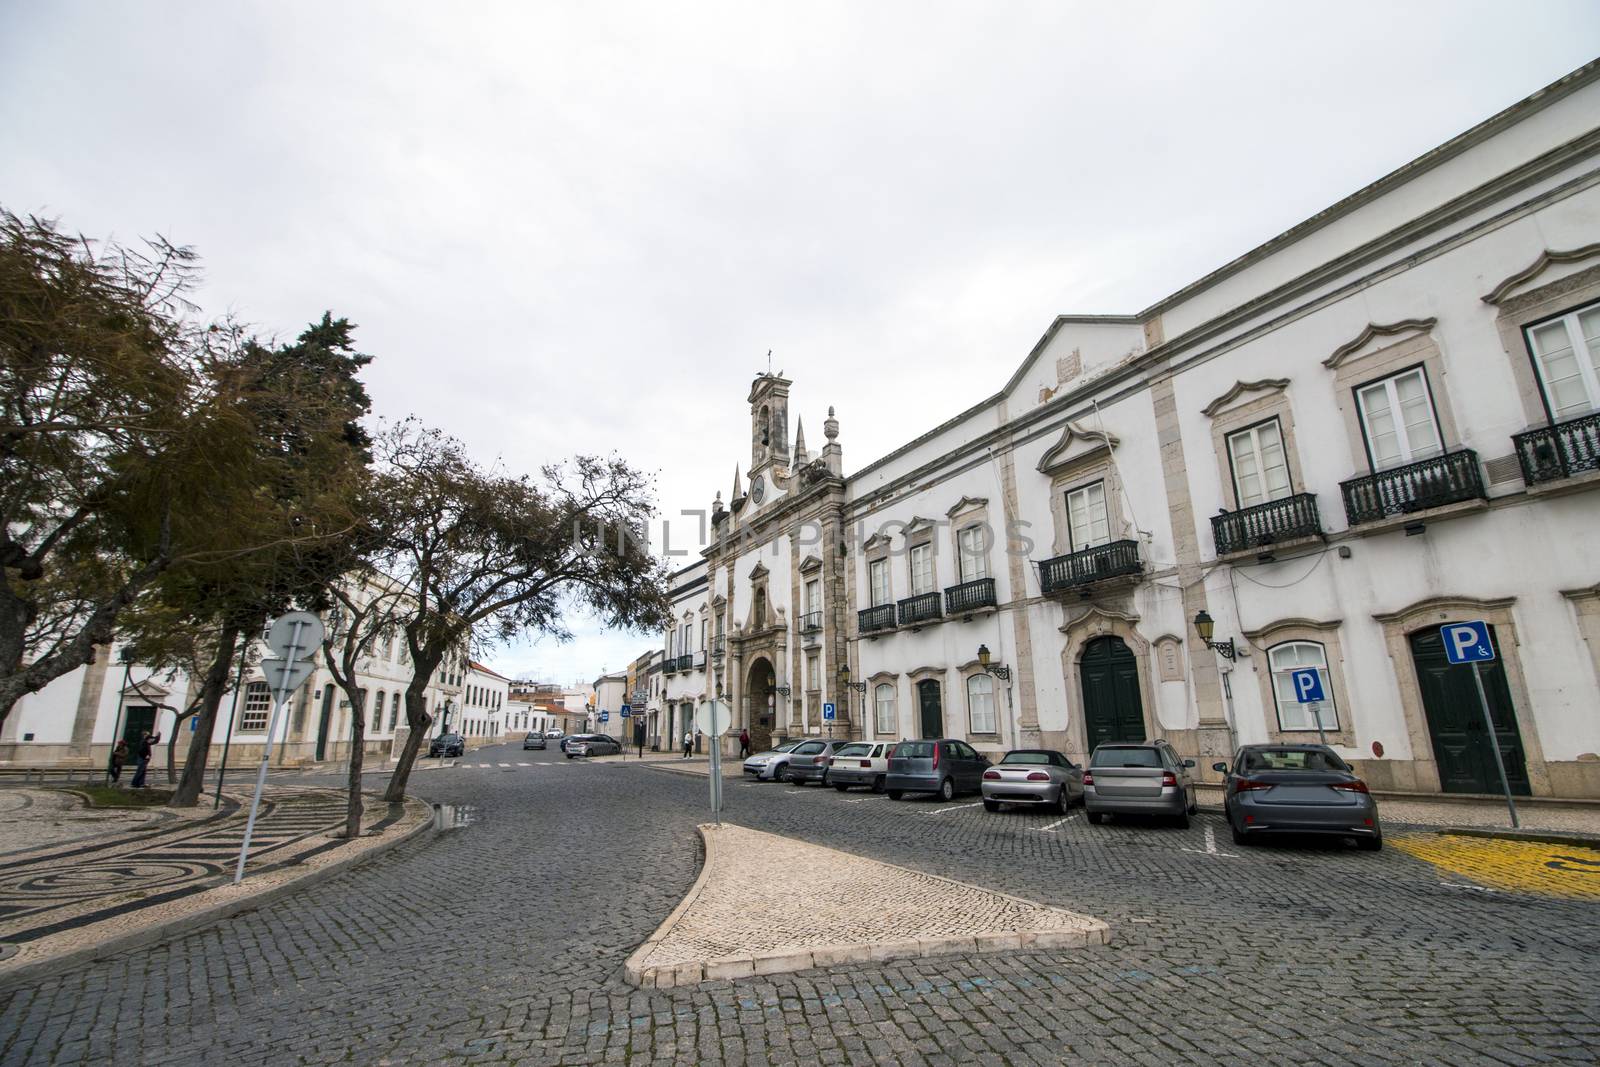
{"x": 1327, "y": 448}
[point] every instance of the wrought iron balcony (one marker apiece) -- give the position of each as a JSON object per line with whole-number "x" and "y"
{"x": 872, "y": 620}
{"x": 1430, "y": 483}
{"x": 1552, "y": 453}
{"x": 686, "y": 662}
{"x": 969, "y": 596}
{"x": 810, "y": 622}
{"x": 919, "y": 609}
{"x": 717, "y": 649}
{"x": 1261, "y": 525}
{"x": 668, "y": 665}
{"x": 1076, "y": 570}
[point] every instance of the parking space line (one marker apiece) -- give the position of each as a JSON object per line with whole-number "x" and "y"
{"x": 1211, "y": 847}
{"x": 1052, "y": 827}
{"x": 957, "y": 807}
{"x": 524, "y": 765}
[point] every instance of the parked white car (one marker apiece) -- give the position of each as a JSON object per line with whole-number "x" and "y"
{"x": 552, "y": 733}
{"x": 860, "y": 763}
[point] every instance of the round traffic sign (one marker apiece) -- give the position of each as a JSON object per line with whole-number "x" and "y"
{"x": 713, "y": 718}
{"x": 282, "y": 634}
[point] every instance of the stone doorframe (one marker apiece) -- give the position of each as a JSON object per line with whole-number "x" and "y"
{"x": 1079, "y": 631}
{"x": 1436, "y": 611}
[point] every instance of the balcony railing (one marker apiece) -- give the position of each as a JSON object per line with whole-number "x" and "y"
{"x": 1266, "y": 524}
{"x": 810, "y": 621}
{"x": 668, "y": 665}
{"x": 1429, "y": 483}
{"x": 916, "y": 610}
{"x": 717, "y": 647}
{"x": 874, "y": 619}
{"x": 969, "y": 596}
{"x": 1078, "y": 569}
{"x": 1552, "y": 453}
{"x": 685, "y": 662}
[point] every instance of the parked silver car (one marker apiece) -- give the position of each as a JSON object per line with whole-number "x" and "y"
{"x": 1138, "y": 779}
{"x": 811, "y": 760}
{"x": 771, "y": 765}
{"x": 860, "y": 763}
{"x": 1297, "y": 789}
{"x": 1035, "y": 777}
{"x": 592, "y": 745}
{"x": 945, "y": 766}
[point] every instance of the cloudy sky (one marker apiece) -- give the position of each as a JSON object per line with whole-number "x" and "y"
{"x": 580, "y": 227}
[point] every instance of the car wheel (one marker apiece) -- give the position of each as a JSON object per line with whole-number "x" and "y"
{"x": 895, "y": 794}
{"x": 569, "y": 755}
{"x": 991, "y": 805}
{"x": 841, "y": 787}
{"x": 781, "y": 774}
{"x": 1370, "y": 844}
{"x": 1183, "y": 820}
{"x": 877, "y": 784}
{"x": 1096, "y": 817}
{"x": 1063, "y": 801}
{"x": 947, "y": 790}
{"x": 1239, "y": 836}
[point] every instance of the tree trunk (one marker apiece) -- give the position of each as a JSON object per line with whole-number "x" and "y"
{"x": 192, "y": 782}
{"x": 418, "y": 720}
{"x": 358, "y": 744}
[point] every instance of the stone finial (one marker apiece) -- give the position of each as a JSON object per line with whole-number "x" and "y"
{"x": 830, "y": 429}
{"x": 799, "y": 442}
{"x": 738, "y": 487}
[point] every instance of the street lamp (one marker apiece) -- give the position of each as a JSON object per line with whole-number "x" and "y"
{"x": 999, "y": 671}
{"x": 844, "y": 678}
{"x": 1205, "y": 627}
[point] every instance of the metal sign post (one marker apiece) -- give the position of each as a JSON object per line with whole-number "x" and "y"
{"x": 1308, "y": 691}
{"x": 293, "y": 636}
{"x": 622, "y": 746}
{"x": 713, "y": 720}
{"x": 1469, "y": 642}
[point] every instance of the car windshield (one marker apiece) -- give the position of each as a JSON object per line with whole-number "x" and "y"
{"x": 1126, "y": 757}
{"x": 853, "y": 749}
{"x": 1292, "y": 759}
{"x": 914, "y": 749}
{"x": 1026, "y": 757}
{"x": 788, "y": 746}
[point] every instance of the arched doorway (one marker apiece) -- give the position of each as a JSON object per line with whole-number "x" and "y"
{"x": 1112, "y": 709}
{"x": 1461, "y": 744}
{"x": 759, "y": 700}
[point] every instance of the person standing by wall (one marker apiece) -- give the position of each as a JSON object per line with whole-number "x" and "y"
{"x": 146, "y": 744}
{"x": 119, "y": 756}
{"x": 744, "y": 743}
{"x": 688, "y": 742}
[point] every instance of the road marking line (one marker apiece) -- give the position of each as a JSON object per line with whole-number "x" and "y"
{"x": 958, "y": 807}
{"x": 1052, "y": 827}
{"x": 1211, "y": 847}
{"x": 503, "y": 764}
{"x": 524, "y": 765}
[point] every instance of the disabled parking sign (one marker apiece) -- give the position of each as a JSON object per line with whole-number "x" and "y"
{"x": 1467, "y": 642}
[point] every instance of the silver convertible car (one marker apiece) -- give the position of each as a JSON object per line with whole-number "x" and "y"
{"x": 1035, "y": 777}
{"x": 1297, "y": 789}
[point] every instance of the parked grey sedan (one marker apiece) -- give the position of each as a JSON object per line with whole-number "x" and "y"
{"x": 1138, "y": 779}
{"x": 1297, "y": 789}
{"x": 810, "y": 760}
{"x": 592, "y": 745}
{"x": 1036, "y": 777}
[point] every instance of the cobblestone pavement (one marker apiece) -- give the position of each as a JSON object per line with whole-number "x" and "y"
{"x": 503, "y": 942}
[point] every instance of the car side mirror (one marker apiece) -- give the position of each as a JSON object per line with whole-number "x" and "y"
{"x": 1220, "y": 768}
{"x": 1188, "y": 763}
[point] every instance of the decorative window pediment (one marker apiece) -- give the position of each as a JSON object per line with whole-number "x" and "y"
{"x": 1243, "y": 389}
{"x": 966, "y": 503}
{"x": 810, "y": 565}
{"x": 758, "y": 572}
{"x": 1393, "y": 332}
{"x": 918, "y": 525}
{"x": 1077, "y": 443}
{"x": 875, "y": 542}
{"x": 1548, "y": 258}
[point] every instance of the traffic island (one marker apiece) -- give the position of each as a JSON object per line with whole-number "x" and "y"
{"x": 90, "y": 881}
{"x": 748, "y": 914}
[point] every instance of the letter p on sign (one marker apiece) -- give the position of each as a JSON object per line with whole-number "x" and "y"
{"x": 1467, "y": 642}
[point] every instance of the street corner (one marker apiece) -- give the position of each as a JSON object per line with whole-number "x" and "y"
{"x": 1539, "y": 868}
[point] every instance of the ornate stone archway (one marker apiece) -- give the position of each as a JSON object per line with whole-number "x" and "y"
{"x": 758, "y": 700}
{"x": 1093, "y": 623}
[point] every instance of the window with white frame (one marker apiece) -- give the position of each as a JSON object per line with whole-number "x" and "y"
{"x": 921, "y": 569}
{"x": 1397, "y": 417}
{"x": 813, "y": 671}
{"x": 256, "y": 708}
{"x": 1566, "y": 353}
{"x": 813, "y": 596}
{"x": 1260, "y": 466}
{"x": 375, "y": 716}
{"x": 394, "y": 712}
{"x": 973, "y": 542}
{"x": 980, "y": 703}
{"x": 1284, "y": 660}
{"x": 878, "y": 575}
{"x": 883, "y": 706}
{"x": 704, "y": 628}
{"x": 1087, "y": 522}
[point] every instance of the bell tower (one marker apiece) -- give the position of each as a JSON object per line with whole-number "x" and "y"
{"x": 769, "y": 422}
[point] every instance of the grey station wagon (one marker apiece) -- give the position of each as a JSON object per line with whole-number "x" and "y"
{"x": 1144, "y": 779}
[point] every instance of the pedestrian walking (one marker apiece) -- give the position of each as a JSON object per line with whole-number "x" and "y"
{"x": 744, "y": 743}
{"x": 146, "y": 744}
{"x": 688, "y": 742}
{"x": 119, "y": 756}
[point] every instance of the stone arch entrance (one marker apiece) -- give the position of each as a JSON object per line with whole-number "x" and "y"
{"x": 1113, "y": 710}
{"x": 760, "y": 698}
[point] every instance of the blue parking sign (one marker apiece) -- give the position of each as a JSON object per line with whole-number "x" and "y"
{"x": 1308, "y": 686}
{"x": 1467, "y": 642}
{"x": 627, "y": 709}
{"x": 828, "y": 713}
{"x": 605, "y": 716}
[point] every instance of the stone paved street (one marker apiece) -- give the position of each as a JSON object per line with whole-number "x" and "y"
{"x": 1271, "y": 954}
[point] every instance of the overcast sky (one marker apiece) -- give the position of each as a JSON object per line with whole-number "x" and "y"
{"x": 580, "y": 227}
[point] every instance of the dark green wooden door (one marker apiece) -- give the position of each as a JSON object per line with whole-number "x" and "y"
{"x": 930, "y": 708}
{"x": 141, "y": 717}
{"x": 1112, "y": 708}
{"x": 1455, "y": 718}
{"x": 323, "y": 721}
